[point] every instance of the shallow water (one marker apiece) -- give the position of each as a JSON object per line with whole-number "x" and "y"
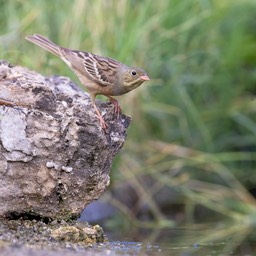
{"x": 220, "y": 239}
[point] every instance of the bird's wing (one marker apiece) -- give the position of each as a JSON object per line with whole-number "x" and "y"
{"x": 101, "y": 70}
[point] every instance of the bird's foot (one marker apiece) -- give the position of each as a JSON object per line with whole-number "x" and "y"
{"x": 102, "y": 122}
{"x": 117, "y": 107}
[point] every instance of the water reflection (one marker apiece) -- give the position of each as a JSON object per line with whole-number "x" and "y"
{"x": 221, "y": 239}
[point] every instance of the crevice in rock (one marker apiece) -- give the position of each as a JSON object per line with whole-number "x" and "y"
{"x": 26, "y": 216}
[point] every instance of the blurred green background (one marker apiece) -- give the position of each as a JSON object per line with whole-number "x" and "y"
{"x": 191, "y": 149}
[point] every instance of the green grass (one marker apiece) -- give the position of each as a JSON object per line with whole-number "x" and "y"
{"x": 194, "y": 128}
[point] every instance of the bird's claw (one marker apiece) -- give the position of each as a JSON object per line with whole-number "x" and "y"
{"x": 103, "y": 124}
{"x": 117, "y": 107}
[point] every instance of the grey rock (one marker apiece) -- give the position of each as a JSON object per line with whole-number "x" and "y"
{"x": 54, "y": 157}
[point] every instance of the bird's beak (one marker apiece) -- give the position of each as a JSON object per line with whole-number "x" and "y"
{"x": 145, "y": 78}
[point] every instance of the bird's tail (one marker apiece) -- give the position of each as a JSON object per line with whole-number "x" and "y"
{"x": 45, "y": 43}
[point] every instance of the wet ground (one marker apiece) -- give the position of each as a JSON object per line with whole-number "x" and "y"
{"x": 214, "y": 239}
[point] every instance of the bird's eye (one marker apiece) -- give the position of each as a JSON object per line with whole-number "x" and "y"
{"x": 134, "y": 73}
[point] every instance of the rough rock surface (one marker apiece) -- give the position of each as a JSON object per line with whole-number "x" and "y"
{"x": 53, "y": 235}
{"x": 54, "y": 157}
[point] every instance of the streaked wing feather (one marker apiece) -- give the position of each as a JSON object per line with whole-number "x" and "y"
{"x": 75, "y": 59}
{"x": 98, "y": 69}
{"x": 106, "y": 69}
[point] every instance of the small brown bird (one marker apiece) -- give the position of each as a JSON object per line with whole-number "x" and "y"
{"x": 100, "y": 75}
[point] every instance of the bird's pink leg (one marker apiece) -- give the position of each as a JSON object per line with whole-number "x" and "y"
{"x": 117, "y": 107}
{"x": 102, "y": 122}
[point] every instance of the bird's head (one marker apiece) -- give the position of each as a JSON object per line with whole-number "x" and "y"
{"x": 134, "y": 77}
